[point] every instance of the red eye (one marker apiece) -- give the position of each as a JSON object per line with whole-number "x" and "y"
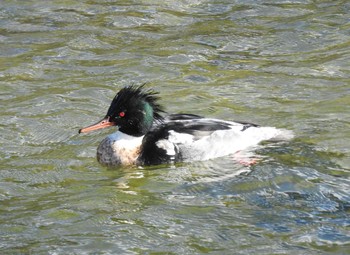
{"x": 122, "y": 114}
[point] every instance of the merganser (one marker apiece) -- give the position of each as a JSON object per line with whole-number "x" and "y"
{"x": 145, "y": 137}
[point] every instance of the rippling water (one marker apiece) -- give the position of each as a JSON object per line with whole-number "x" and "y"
{"x": 278, "y": 63}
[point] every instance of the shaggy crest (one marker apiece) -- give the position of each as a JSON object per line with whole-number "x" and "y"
{"x": 133, "y": 94}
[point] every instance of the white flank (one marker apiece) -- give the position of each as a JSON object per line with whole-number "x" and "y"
{"x": 225, "y": 142}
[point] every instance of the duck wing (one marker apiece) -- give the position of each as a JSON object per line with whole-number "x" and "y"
{"x": 167, "y": 141}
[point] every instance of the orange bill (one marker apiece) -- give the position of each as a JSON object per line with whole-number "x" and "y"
{"x": 101, "y": 124}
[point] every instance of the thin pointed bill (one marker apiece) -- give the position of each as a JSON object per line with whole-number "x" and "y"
{"x": 101, "y": 124}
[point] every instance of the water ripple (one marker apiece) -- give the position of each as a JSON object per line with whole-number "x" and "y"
{"x": 281, "y": 64}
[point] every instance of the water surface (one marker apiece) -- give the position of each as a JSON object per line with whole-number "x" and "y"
{"x": 276, "y": 63}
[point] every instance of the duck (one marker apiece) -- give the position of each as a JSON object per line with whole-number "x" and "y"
{"x": 146, "y": 135}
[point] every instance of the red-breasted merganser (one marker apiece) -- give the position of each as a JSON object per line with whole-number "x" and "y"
{"x": 144, "y": 137}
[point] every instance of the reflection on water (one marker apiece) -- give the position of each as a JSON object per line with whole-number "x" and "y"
{"x": 282, "y": 64}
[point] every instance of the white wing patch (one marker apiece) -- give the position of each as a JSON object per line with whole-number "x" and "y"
{"x": 180, "y": 138}
{"x": 166, "y": 145}
{"x": 174, "y": 138}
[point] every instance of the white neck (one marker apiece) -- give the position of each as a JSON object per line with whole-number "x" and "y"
{"x": 125, "y": 141}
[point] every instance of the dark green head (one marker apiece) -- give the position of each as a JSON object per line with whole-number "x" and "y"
{"x": 133, "y": 110}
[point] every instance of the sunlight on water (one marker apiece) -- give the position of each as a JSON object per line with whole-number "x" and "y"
{"x": 282, "y": 64}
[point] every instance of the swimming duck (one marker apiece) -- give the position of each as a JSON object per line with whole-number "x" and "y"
{"x": 145, "y": 137}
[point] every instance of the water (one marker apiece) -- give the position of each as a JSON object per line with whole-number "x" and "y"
{"x": 277, "y": 63}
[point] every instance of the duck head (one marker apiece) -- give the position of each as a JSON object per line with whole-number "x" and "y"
{"x": 133, "y": 111}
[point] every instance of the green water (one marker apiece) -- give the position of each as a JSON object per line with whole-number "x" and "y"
{"x": 275, "y": 63}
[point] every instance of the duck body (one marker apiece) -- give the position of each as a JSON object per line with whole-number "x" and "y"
{"x": 175, "y": 138}
{"x": 183, "y": 138}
